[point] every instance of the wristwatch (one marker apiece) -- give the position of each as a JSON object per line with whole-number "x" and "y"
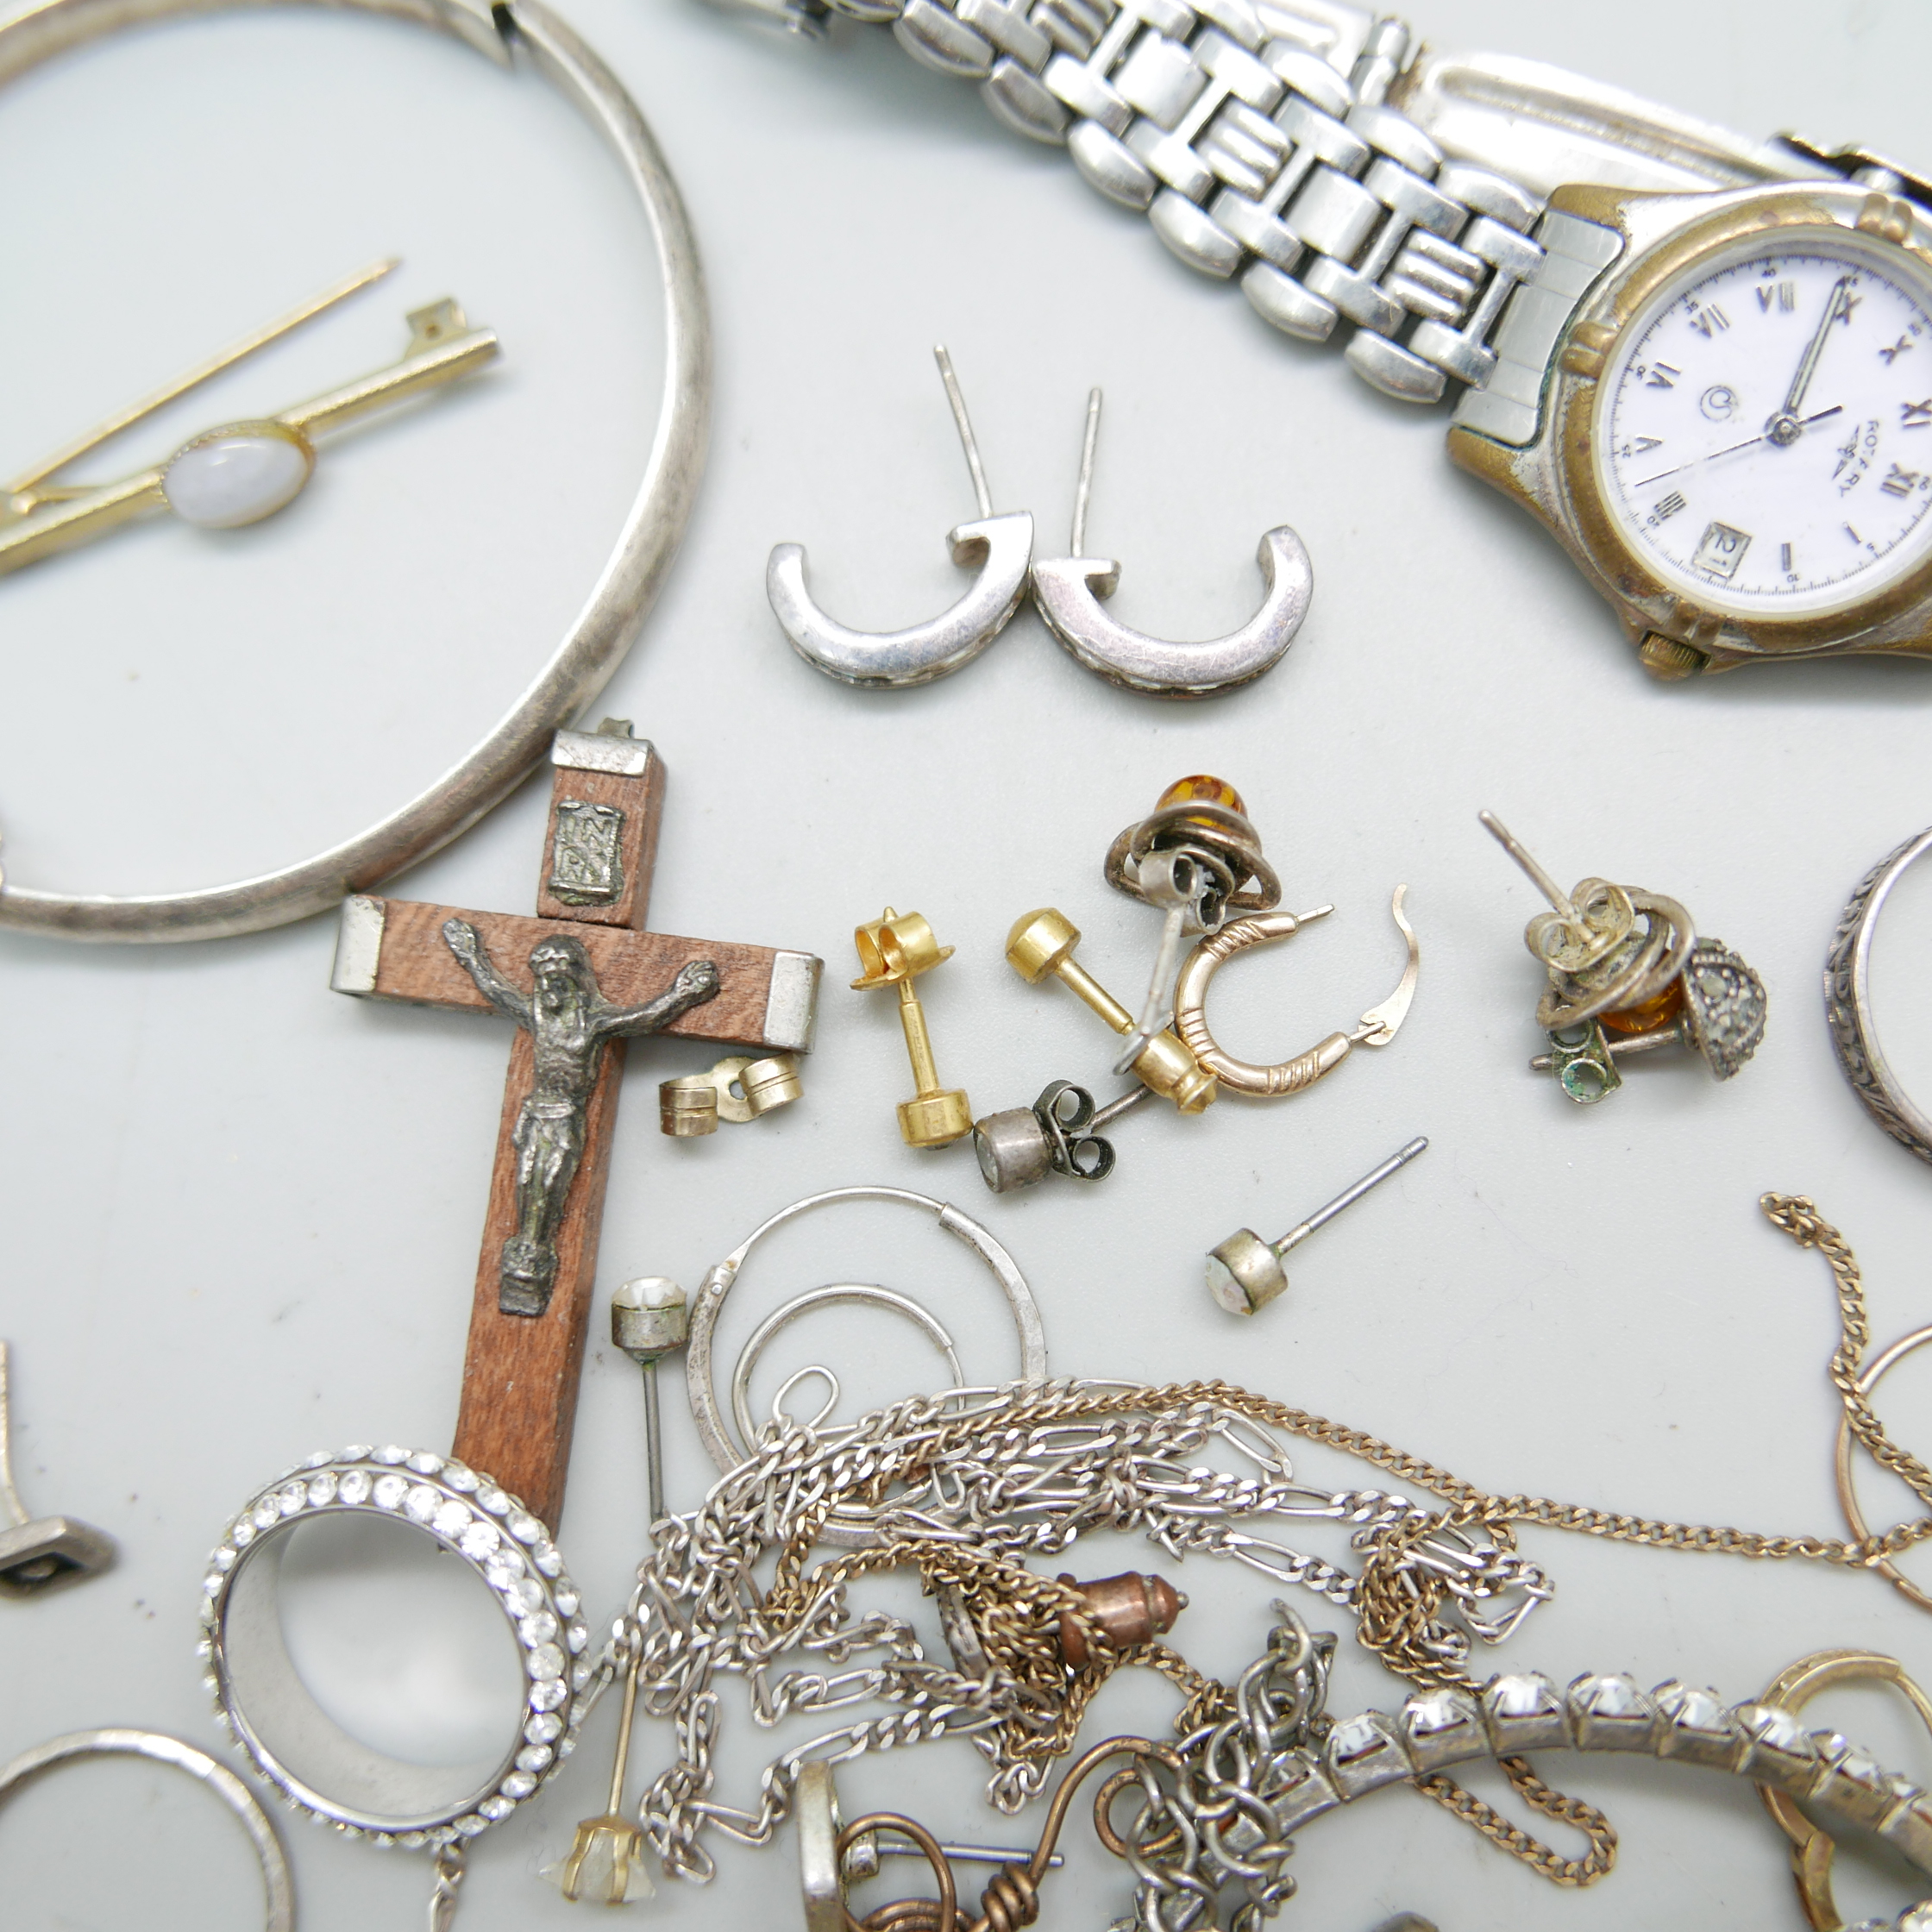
{"x": 1704, "y": 362}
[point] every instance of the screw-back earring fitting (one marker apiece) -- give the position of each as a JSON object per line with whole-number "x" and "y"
{"x": 1059, "y": 1133}
{"x": 1069, "y": 592}
{"x": 1628, "y": 975}
{"x": 1002, "y": 548}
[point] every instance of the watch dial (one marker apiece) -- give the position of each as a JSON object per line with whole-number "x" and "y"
{"x": 1767, "y": 445}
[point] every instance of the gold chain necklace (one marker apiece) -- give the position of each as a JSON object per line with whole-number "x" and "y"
{"x": 1017, "y": 1613}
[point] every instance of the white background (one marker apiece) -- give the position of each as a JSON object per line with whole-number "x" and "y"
{"x": 241, "y": 1213}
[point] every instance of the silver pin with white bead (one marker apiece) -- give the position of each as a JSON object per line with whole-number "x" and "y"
{"x": 1244, "y": 1273}
{"x": 651, "y": 1318}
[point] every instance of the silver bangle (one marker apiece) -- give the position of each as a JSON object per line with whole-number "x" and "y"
{"x": 116, "y": 1743}
{"x": 1849, "y": 1003}
{"x": 625, "y": 590}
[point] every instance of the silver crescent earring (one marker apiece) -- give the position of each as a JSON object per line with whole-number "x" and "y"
{"x": 1068, "y": 591}
{"x": 1002, "y": 546}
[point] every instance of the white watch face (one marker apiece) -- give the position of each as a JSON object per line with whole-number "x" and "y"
{"x": 1765, "y": 439}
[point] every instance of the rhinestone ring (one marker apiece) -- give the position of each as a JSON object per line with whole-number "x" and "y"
{"x": 260, "y": 1700}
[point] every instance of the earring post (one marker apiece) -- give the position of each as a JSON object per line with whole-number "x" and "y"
{"x": 965, "y": 427}
{"x": 1084, "y": 487}
{"x": 203, "y": 372}
{"x": 971, "y": 1854}
{"x": 1349, "y": 1196}
{"x": 1543, "y": 882}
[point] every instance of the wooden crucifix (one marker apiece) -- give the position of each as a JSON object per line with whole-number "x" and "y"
{"x": 578, "y": 980}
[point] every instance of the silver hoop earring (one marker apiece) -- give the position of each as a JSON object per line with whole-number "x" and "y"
{"x": 1000, "y": 547}
{"x": 1068, "y": 591}
{"x": 849, "y": 1526}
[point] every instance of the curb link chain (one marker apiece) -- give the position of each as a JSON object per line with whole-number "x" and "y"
{"x": 993, "y": 1477}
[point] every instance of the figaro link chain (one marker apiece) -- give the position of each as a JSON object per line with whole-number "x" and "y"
{"x": 964, "y": 1486}
{"x": 1256, "y": 136}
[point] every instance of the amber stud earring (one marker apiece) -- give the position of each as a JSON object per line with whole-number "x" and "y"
{"x": 1628, "y": 975}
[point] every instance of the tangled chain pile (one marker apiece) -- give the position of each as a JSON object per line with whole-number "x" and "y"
{"x": 1211, "y": 1819}
{"x": 964, "y": 1487}
{"x": 1211, "y": 1810}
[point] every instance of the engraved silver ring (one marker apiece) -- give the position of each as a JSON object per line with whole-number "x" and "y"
{"x": 115, "y": 1742}
{"x": 626, "y": 586}
{"x": 318, "y": 1767}
{"x": 1849, "y": 1003}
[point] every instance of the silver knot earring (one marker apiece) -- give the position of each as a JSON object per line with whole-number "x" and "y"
{"x": 1628, "y": 975}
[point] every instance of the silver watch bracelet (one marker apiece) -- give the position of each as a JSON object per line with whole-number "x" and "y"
{"x": 1312, "y": 152}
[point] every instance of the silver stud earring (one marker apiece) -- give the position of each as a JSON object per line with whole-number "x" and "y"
{"x": 1002, "y": 546}
{"x": 1069, "y": 591}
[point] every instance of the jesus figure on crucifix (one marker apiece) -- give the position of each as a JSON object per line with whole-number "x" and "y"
{"x": 568, "y": 1020}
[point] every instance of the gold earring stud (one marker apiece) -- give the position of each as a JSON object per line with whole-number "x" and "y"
{"x": 1042, "y": 943}
{"x": 894, "y": 951}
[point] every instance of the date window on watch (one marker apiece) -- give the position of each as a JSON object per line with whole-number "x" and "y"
{"x": 1719, "y": 551}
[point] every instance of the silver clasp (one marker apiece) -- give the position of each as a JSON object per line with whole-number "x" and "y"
{"x": 1866, "y": 167}
{"x": 805, "y": 18}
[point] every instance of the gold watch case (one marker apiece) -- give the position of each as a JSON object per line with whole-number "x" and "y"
{"x": 1555, "y": 476}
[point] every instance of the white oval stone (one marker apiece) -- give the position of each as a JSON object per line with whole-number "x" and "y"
{"x": 238, "y": 476}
